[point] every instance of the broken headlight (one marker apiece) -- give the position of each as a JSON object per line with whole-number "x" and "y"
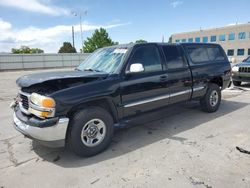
{"x": 41, "y": 106}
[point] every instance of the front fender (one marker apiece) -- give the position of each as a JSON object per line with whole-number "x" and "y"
{"x": 68, "y": 99}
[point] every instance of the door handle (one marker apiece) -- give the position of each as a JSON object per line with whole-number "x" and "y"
{"x": 163, "y": 78}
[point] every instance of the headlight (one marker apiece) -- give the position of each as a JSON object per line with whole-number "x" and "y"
{"x": 235, "y": 69}
{"x": 42, "y": 101}
{"x": 42, "y": 106}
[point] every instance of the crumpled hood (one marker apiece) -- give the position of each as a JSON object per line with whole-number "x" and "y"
{"x": 31, "y": 79}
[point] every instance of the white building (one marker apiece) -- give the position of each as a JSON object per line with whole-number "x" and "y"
{"x": 235, "y": 39}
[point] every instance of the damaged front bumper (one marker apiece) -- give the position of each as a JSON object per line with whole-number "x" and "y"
{"x": 49, "y": 132}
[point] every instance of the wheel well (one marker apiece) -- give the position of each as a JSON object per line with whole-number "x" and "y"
{"x": 103, "y": 103}
{"x": 218, "y": 81}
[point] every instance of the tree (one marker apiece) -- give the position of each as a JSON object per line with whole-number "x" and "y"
{"x": 99, "y": 39}
{"x": 141, "y": 41}
{"x": 170, "y": 40}
{"x": 67, "y": 48}
{"x": 26, "y": 50}
{"x": 36, "y": 51}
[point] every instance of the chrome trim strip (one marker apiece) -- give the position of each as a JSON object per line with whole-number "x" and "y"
{"x": 23, "y": 109}
{"x": 180, "y": 93}
{"x": 198, "y": 88}
{"x": 24, "y": 93}
{"x": 39, "y": 108}
{"x": 163, "y": 97}
{"x": 147, "y": 101}
{"x": 158, "y": 98}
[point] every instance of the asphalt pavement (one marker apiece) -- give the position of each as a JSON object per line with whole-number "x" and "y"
{"x": 185, "y": 147}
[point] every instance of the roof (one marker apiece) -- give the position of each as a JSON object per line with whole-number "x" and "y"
{"x": 131, "y": 45}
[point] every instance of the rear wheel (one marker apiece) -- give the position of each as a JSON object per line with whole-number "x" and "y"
{"x": 91, "y": 131}
{"x": 211, "y": 101}
{"x": 237, "y": 83}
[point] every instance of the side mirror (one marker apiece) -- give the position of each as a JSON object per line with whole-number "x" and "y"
{"x": 136, "y": 67}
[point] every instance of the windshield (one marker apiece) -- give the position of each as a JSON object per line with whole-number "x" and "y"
{"x": 108, "y": 60}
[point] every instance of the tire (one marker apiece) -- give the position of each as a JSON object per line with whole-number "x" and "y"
{"x": 91, "y": 131}
{"x": 237, "y": 83}
{"x": 211, "y": 101}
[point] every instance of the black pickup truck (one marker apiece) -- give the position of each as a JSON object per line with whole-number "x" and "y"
{"x": 113, "y": 85}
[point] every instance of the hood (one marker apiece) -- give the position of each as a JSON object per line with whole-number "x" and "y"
{"x": 28, "y": 80}
{"x": 246, "y": 64}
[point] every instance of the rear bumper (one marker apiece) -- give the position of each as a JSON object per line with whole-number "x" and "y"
{"x": 52, "y": 136}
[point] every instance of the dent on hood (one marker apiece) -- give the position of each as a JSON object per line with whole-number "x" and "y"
{"x": 29, "y": 80}
{"x": 44, "y": 83}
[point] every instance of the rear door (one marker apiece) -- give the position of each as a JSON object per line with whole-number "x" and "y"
{"x": 146, "y": 90}
{"x": 179, "y": 79}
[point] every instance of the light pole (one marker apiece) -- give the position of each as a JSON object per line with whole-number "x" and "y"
{"x": 73, "y": 36}
{"x": 80, "y": 14}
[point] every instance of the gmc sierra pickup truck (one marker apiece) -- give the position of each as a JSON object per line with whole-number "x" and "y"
{"x": 113, "y": 85}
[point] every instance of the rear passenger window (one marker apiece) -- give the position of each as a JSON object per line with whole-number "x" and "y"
{"x": 214, "y": 54}
{"x": 198, "y": 54}
{"x": 173, "y": 57}
{"x": 202, "y": 54}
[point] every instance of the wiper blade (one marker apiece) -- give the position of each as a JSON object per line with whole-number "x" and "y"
{"x": 92, "y": 70}
{"x": 77, "y": 69}
{"x": 89, "y": 69}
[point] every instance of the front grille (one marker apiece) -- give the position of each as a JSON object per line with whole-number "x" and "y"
{"x": 25, "y": 101}
{"x": 244, "y": 69}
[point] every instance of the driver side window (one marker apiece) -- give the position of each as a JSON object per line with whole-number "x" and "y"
{"x": 149, "y": 57}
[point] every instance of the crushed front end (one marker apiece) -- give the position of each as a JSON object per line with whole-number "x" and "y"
{"x": 34, "y": 117}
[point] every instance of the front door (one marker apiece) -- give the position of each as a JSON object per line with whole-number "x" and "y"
{"x": 144, "y": 91}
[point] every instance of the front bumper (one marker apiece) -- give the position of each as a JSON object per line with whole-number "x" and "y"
{"x": 241, "y": 77}
{"x": 52, "y": 136}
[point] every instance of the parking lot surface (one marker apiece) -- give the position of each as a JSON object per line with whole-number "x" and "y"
{"x": 184, "y": 148}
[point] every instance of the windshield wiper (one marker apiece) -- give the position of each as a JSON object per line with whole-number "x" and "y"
{"x": 92, "y": 70}
{"x": 77, "y": 69}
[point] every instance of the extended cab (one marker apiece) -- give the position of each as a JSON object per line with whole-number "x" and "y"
{"x": 113, "y": 85}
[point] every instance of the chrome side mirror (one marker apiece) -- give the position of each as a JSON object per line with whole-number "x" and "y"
{"x": 136, "y": 67}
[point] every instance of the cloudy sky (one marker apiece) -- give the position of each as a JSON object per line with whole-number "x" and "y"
{"x": 46, "y": 24}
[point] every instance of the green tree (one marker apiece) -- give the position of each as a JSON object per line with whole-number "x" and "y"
{"x": 26, "y": 50}
{"x": 141, "y": 41}
{"x": 36, "y": 51}
{"x": 99, "y": 39}
{"x": 67, "y": 48}
{"x": 170, "y": 40}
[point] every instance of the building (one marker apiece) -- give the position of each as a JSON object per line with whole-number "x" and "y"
{"x": 235, "y": 39}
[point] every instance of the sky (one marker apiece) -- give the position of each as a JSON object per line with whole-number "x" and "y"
{"x": 46, "y": 24}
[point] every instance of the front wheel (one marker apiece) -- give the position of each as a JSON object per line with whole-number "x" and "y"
{"x": 91, "y": 131}
{"x": 211, "y": 101}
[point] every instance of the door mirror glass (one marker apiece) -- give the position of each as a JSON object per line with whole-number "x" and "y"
{"x": 136, "y": 67}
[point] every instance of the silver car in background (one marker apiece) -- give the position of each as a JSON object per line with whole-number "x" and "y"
{"x": 241, "y": 72}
